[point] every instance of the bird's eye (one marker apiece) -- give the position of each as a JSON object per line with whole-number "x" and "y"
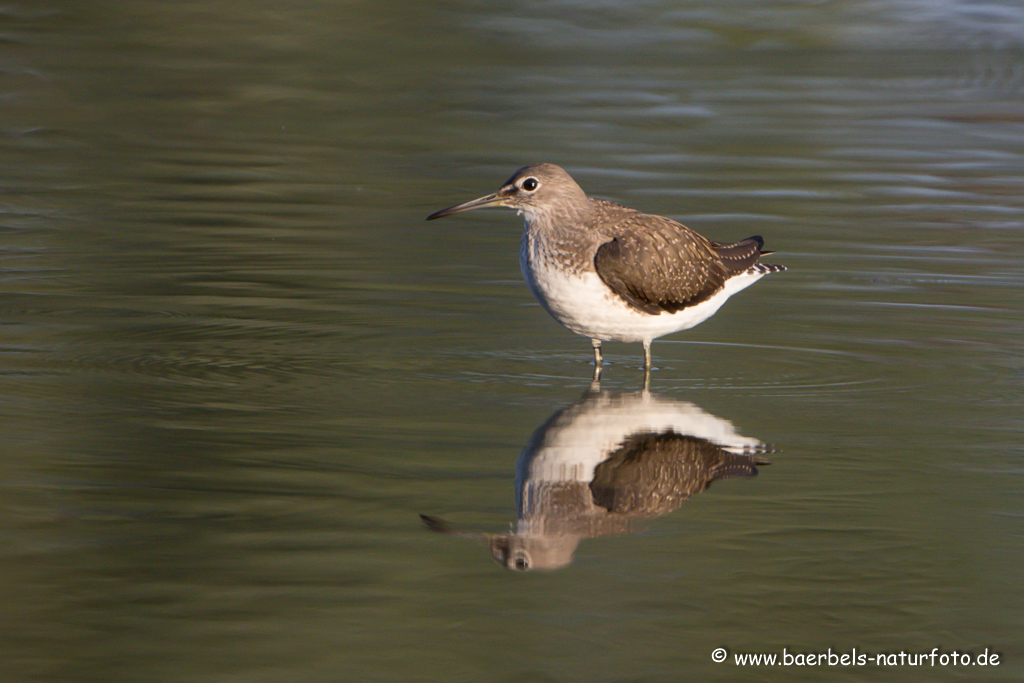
{"x": 530, "y": 184}
{"x": 521, "y": 563}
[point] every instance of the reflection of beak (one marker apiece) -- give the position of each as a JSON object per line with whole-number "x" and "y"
{"x": 493, "y": 199}
{"x": 439, "y": 526}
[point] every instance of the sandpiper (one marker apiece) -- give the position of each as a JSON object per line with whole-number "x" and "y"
{"x": 611, "y": 273}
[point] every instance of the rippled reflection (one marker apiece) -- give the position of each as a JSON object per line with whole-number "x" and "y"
{"x": 602, "y": 463}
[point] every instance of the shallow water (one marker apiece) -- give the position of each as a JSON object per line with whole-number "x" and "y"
{"x": 237, "y": 365}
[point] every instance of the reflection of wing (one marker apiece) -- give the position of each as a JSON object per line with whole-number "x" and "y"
{"x": 652, "y": 474}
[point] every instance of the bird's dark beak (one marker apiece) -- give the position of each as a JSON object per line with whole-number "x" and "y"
{"x": 493, "y": 199}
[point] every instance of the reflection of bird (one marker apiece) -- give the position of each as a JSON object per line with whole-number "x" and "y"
{"x": 614, "y": 274}
{"x": 598, "y": 465}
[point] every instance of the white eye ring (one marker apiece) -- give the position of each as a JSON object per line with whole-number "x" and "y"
{"x": 530, "y": 184}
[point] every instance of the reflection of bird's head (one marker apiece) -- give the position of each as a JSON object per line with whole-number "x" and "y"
{"x": 520, "y": 552}
{"x": 523, "y": 553}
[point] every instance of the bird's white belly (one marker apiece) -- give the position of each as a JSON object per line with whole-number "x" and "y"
{"x": 587, "y": 306}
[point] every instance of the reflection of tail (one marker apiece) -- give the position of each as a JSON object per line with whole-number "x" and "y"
{"x": 735, "y": 465}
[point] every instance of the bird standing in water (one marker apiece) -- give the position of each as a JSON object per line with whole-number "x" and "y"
{"x": 611, "y": 273}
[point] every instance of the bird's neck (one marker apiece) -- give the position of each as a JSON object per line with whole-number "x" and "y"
{"x": 564, "y": 240}
{"x": 564, "y": 222}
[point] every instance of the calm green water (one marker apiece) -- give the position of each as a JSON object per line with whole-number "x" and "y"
{"x": 236, "y": 364}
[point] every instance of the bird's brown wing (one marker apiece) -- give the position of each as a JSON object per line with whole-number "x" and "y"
{"x": 658, "y": 265}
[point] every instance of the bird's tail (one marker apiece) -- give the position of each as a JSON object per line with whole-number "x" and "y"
{"x": 742, "y": 257}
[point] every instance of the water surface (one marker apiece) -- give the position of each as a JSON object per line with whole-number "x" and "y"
{"x": 236, "y": 365}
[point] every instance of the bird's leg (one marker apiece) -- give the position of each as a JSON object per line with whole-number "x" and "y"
{"x": 647, "y": 367}
{"x": 597, "y": 363}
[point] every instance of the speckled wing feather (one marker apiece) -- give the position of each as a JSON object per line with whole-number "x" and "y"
{"x": 658, "y": 265}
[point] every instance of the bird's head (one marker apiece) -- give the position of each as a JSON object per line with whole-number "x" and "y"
{"x": 533, "y": 191}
